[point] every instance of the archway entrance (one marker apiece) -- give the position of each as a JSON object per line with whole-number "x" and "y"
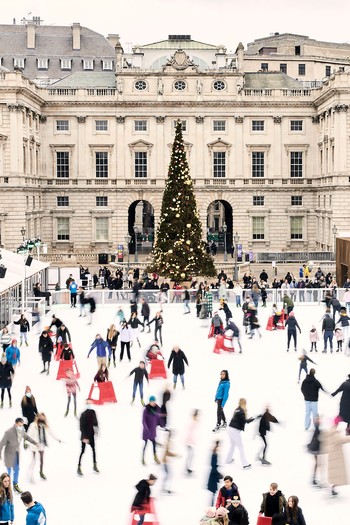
{"x": 220, "y": 225}
{"x": 141, "y": 226}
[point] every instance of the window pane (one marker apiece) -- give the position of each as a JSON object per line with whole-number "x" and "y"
{"x": 258, "y": 125}
{"x": 296, "y": 125}
{"x": 101, "y": 164}
{"x": 140, "y": 125}
{"x": 88, "y": 64}
{"x": 140, "y": 164}
{"x": 258, "y": 228}
{"x": 62, "y": 125}
{"x": 101, "y": 201}
{"x": 62, "y": 164}
{"x": 63, "y": 200}
{"x": 296, "y": 200}
{"x": 219, "y": 164}
{"x": 301, "y": 69}
{"x": 66, "y": 63}
{"x": 258, "y": 200}
{"x": 183, "y": 125}
{"x": 101, "y": 125}
{"x": 102, "y": 229}
{"x": 63, "y": 229}
{"x": 296, "y": 227}
{"x": 264, "y": 66}
{"x": 283, "y": 68}
{"x": 296, "y": 164}
{"x": 107, "y": 65}
{"x": 219, "y": 125}
{"x": 258, "y": 164}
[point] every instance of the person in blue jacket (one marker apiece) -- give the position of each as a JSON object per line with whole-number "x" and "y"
{"x": 6, "y": 499}
{"x": 36, "y": 514}
{"x": 73, "y": 289}
{"x": 13, "y": 354}
{"x": 221, "y": 397}
{"x": 102, "y": 347}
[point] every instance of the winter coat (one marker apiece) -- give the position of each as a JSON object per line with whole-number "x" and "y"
{"x": 343, "y": 319}
{"x": 300, "y": 520}
{"x": 209, "y": 298}
{"x": 151, "y": 418}
{"x": 67, "y": 354}
{"x": 143, "y": 494}
{"x": 179, "y": 359}
{"x": 36, "y": 515}
{"x": 5, "y": 338}
{"x": 333, "y": 446}
{"x": 313, "y": 334}
{"x": 101, "y": 376}
{"x": 140, "y": 374}
{"x": 237, "y": 515}
{"x": 5, "y": 375}
{"x": 125, "y": 334}
{"x": 239, "y": 419}
{"x": 338, "y": 332}
{"x": 29, "y": 408}
{"x": 265, "y": 420}
{"x": 145, "y": 310}
{"x": 292, "y": 324}
{"x": 271, "y": 505}
{"x": 216, "y": 321}
{"x": 214, "y": 475}
{"x": 40, "y": 437}
{"x": 223, "y": 495}
{"x": 328, "y": 324}
{"x": 134, "y": 323}
{"x": 23, "y": 325}
{"x": 222, "y": 391}
{"x": 88, "y": 424}
{"x": 6, "y": 510}
{"x": 13, "y": 355}
{"x": 101, "y": 348}
{"x": 344, "y": 408}
{"x": 64, "y": 335}
{"x": 310, "y": 387}
{"x": 11, "y": 444}
{"x": 232, "y": 326}
{"x": 113, "y": 341}
{"x": 46, "y": 348}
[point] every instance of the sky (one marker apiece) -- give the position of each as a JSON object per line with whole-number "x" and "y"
{"x": 225, "y": 22}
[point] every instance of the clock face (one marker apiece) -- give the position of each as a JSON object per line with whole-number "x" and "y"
{"x": 140, "y": 85}
{"x": 180, "y": 85}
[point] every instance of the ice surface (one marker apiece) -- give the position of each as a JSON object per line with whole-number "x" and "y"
{"x": 263, "y": 374}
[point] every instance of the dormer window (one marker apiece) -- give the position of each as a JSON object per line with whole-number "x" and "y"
{"x": 18, "y": 62}
{"x": 66, "y": 63}
{"x": 43, "y": 63}
{"x": 88, "y": 64}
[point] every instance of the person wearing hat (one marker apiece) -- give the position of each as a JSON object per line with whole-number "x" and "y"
{"x": 142, "y": 497}
{"x": 151, "y": 418}
{"x": 237, "y": 514}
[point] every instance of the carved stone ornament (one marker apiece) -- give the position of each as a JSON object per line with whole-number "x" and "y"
{"x": 180, "y": 60}
{"x": 341, "y": 107}
{"x": 120, "y": 120}
{"x": 315, "y": 120}
{"x": 277, "y": 120}
{"x": 200, "y": 120}
{"x": 81, "y": 120}
{"x": 239, "y": 120}
{"x": 42, "y": 119}
{"x": 160, "y": 120}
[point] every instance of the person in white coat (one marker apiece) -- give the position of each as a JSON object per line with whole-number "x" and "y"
{"x": 125, "y": 337}
{"x": 39, "y": 431}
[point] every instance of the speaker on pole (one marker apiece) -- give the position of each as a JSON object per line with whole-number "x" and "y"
{"x": 29, "y": 260}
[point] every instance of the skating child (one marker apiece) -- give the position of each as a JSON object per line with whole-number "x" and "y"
{"x": 217, "y": 324}
{"x": 67, "y": 353}
{"x": 237, "y": 514}
{"x": 154, "y": 352}
{"x": 120, "y": 315}
{"x": 140, "y": 374}
{"x": 338, "y": 332}
{"x": 71, "y": 388}
{"x": 303, "y": 363}
{"x": 314, "y": 337}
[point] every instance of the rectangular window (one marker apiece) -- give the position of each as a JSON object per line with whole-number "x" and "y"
{"x": 62, "y": 125}
{"x": 283, "y": 68}
{"x": 296, "y": 164}
{"x": 296, "y": 125}
{"x": 107, "y": 65}
{"x": 301, "y": 69}
{"x": 264, "y": 66}
{"x": 297, "y": 50}
{"x": 62, "y": 200}
{"x": 43, "y": 63}
{"x": 258, "y": 164}
{"x": 62, "y": 164}
{"x": 66, "y": 63}
{"x": 258, "y": 228}
{"x": 258, "y": 125}
{"x": 140, "y": 164}
{"x": 101, "y": 201}
{"x": 63, "y": 229}
{"x": 140, "y": 125}
{"x": 219, "y": 125}
{"x": 328, "y": 71}
{"x": 102, "y": 229}
{"x": 101, "y": 125}
{"x": 88, "y": 64}
{"x": 296, "y": 227}
{"x": 18, "y": 62}
{"x": 183, "y": 125}
{"x": 258, "y": 200}
{"x": 296, "y": 200}
{"x": 101, "y": 164}
{"x": 219, "y": 164}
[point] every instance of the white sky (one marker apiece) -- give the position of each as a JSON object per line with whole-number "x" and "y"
{"x": 212, "y": 21}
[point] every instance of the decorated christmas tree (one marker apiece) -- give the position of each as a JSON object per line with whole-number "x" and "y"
{"x": 179, "y": 251}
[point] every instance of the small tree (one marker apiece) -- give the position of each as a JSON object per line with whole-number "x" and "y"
{"x": 179, "y": 251}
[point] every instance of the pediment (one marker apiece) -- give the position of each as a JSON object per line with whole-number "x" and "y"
{"x": 219, "y": 144}
{"x": 179, "y": 62}
{"x": 140, "y": 144}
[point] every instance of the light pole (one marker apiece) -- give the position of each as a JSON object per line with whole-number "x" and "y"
{"x": 127, "y": 239}
{"x": 236, "y": 241}
{"x": 224, "y": 229}
{"x": 136, "y": 232}
{"x": 335, "y": 231}
{"x": 23, "y": 249}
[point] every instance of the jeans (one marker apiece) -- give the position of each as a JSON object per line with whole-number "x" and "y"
{"x": 238, "y": 300}
{"x": 328, "y": 336}
{"x": 310, "y": 408}
{"x": 134, "y": 388}
{"x": 182, "y": 377}
{"x": 187, "y": 305}
{"x": 15, "y": 468}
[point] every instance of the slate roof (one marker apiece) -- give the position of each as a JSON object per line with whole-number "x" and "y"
{"x": 178, "y": 44}
{"x": 270, "y": 80}
{"x": 53, "y": 43}
{"x": 86, "y": 80}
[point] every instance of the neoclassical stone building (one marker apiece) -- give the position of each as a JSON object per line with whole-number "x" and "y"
{"x": 84, "y": 156}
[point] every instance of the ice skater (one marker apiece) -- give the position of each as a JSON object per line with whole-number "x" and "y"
{"x": 178, "y": 358}
{"x": 264, "y": 427}
{"x": 221, "y": 396}
{"x": 304, "y": 358}
{"x": 72, "y": 386}
{"x": 235, "y": 429}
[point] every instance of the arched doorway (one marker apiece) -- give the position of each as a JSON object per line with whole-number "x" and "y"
{"x": 141, "y": 226}
{"x": 220, "y": 225}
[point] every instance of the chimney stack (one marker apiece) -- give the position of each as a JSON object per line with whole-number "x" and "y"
{"x": 113, "y": 39}
{"x": 30, "y": 34}
{"x": 76, "y": 36}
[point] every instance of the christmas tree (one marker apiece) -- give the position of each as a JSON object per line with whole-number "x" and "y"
{"x": 179, "y": 251}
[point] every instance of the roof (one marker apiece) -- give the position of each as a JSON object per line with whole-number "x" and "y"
{"x": 86, "y": 79}
{"x": 178, "y": 44}
{"x": 14, "y": 263}
{"x": 270, "y": 80}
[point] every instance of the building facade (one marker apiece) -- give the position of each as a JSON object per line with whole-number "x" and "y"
{"x": 84, "y": 158}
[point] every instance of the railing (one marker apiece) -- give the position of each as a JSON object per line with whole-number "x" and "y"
{"x": 284, "y": 257}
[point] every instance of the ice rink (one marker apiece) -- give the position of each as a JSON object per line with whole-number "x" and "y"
{"x": 264, "y": 374}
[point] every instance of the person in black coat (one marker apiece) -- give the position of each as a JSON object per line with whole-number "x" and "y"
{"x": 292, "y": 325}
{"x": 143, "y": 496}
{"x": 67, "y": 353}
{"x": 6, "y": 374}
{"x": 55, "y": 322}
{"x": 214, "y": 475}
{"x": 145, "y": 312}
{"x": 179, "y": 359}
{"x": 264, "y": 427}
{"x": 46, "y": 350}
{"x": 344, "y": 408}
{"x": 29, "y": 408}
{"x": 24, "y": 328}
{"x": 237, "y": 514}
{"x": 88, "y": 429}
{"x": 293, "y": 514}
